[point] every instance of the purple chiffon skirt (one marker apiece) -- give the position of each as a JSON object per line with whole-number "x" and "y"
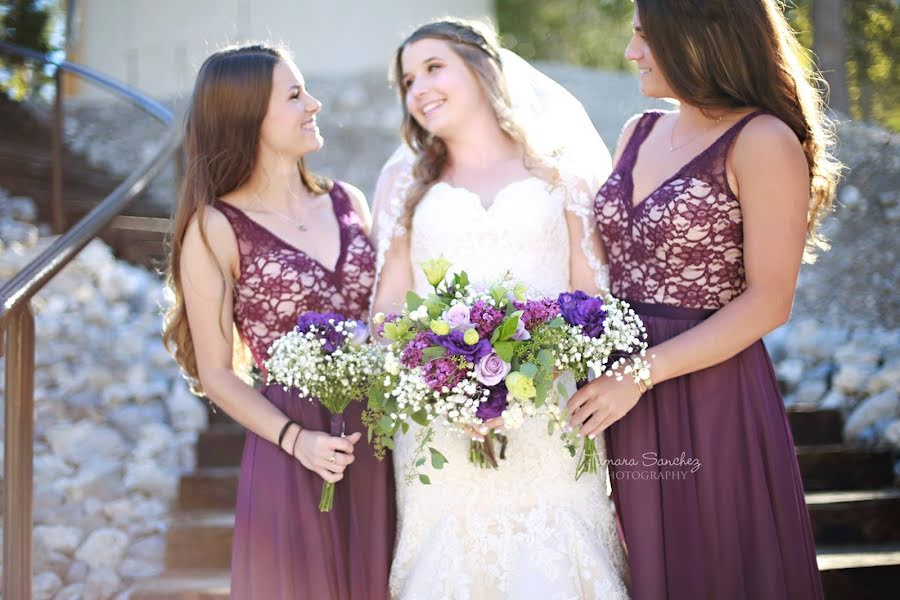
{"x": 706, "y": 482}
{"x": 283, "y": 547}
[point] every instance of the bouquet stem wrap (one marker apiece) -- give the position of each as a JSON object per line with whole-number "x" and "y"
{"x": 336, "y": 429}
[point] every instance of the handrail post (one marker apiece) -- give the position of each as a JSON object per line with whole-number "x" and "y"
{"x": 56, "y": 201}
{"x": 18, "y": 458}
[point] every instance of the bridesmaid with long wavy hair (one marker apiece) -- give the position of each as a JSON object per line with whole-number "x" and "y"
{"x": 259, "y": 239}
{"x": 706, "y": 219}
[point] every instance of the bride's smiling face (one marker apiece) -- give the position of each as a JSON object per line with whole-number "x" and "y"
{"x": 440, "y": 90}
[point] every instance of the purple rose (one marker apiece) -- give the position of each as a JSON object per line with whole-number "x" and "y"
{"x": 585, "y": 311}
{"x": 324, "y": 323}
{"x": 494, "y": 405}
{"x": 458, "y": 316}
{"x": 491, "y": 369}
{"x": 455, "y": 344}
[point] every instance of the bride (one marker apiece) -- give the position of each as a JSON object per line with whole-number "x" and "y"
{"x": 497, "y": 175}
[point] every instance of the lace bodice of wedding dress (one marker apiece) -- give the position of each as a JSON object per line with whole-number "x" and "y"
{"x": 527, "y": 529}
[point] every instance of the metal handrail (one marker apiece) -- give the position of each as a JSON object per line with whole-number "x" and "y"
{"x": 17, "y": 319}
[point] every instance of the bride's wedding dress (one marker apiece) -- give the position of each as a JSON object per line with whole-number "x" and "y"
{"x": 526, "y": 529}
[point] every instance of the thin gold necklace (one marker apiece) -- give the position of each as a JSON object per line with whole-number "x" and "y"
{"x": 673, "y": 147}
{"x": 300, "y": 226}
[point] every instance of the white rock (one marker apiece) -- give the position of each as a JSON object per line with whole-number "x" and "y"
{"x": 892, "y": 434}
{"x": 80, "y": 442}
{"x": 100, "y": 478}
{"x": 49, "y": 468}
{"x": 871, "y": 410}
{"x": 135, "y": 568}
{"x": 19, "y": 208}
{"x": 58, "y": 538}
{"x": 146, "y": 476}
{"x": 850, "y": 197}
{"x": 49, "y": 561}
{"x": 45, "y": 586}
{"x": 155, "y": 439}
{"x": 836, "y": 400}
{"x": 78, "y": 571}
{"x": 809, "y": 393}
{"x": 101, "y": 583}
{"x": 859, "y": 351}
{"x": 151, "y": 549}
{"x": 104, "y": 548}
{"x": 187, "y": 412}
{"x": 18, "y": 232}
{"x": 74, "y": 591}
{"x": 852, "y": 378}
{"x": 888, "y": 377}
{"x": 790, "y": 371}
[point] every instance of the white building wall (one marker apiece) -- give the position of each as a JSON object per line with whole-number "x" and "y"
{"x": 157, "y": 45}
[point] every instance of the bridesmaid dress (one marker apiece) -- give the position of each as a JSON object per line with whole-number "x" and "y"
{"x": 703, "y": 468}
{"x": 283, "y": 547}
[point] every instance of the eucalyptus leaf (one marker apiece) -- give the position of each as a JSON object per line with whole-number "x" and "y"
{"x": 438, "y": 460}
{"x": 425, "y": 479}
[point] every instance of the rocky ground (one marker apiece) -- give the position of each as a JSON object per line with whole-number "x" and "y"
{"x": 115, "y": 424}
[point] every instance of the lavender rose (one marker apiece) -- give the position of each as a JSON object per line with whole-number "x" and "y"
{"x": 586, "y": 311}
{"x": 456, "y": 344}
{"x": 491, "y": 369}
{"x": 458, "y": 316}
{"x": 495, "y": 404}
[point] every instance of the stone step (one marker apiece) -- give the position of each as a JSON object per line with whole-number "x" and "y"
{"x": 870, "y": 572}
{"x": 839, "y": 467}
{"x": 855, "y": 517}
{"x": 220, "y": 446}
{"x": 209, "y": 584}
{"x": 813, "y": 427}
{"x": 199, "y": 540}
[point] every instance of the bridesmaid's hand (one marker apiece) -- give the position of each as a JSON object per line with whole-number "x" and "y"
{"x": 324, "y": 454}
{"x": 601, "y": 403}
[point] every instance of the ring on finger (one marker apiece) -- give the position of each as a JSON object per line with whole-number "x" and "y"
{"x": 333, "y": 457}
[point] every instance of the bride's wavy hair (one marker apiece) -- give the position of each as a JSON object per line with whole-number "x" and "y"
{"x": 722, "y": 54}
{"x": 478, "y": 46}
{"x": 221, "y": 139}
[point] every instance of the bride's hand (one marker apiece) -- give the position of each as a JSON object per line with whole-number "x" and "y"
{"x": 477, "y": 434}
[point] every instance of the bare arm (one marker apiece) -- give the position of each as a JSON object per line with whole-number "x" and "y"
{"x": 770, "y": 169}
{"x": 207, "y": 280}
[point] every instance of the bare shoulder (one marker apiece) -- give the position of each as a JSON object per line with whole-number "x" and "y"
{"x": 358, "y": 200}
{"x": 625, "y": 136}
{"x": 767, "y": 139}
{"x": 219, "y": 237}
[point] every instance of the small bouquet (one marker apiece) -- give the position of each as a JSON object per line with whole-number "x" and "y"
{"x": 326, "y": 358}
{"x": 596, "y": 331}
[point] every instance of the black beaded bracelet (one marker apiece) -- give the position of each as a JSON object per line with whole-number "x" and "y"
{"x": 284, "y": 430}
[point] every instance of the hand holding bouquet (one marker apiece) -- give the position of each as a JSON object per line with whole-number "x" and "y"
{"x": 326, "y": 358}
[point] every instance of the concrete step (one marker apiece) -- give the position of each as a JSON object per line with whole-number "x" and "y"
{"x": 199, "y": 540}
{"x": 870, "y": 572}
{"x": 213, "y": 488}
{"x": 839, "y": 467}
{"x": 815, "y": 427}
{"x": 855, "y": 517}
{"x": 220, "y": 446}
{"x": 182, "y": 584}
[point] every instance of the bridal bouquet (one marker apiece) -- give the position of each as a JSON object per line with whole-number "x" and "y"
{"x": 462, "y": 356}
{"x": 326, "y": 358}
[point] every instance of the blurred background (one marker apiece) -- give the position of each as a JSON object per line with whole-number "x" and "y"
{"x": 134, "y": 478}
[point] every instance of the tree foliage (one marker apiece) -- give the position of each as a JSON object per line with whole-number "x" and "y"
{"x": 594, "y": 33}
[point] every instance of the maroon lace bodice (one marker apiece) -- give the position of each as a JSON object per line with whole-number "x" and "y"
{"x": 682, "y": 245}
{"x": 278, "y": 281}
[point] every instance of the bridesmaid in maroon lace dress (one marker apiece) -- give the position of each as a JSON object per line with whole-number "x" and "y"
{"x": 705, "y": 219}
{"x": 258, "y": 240}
